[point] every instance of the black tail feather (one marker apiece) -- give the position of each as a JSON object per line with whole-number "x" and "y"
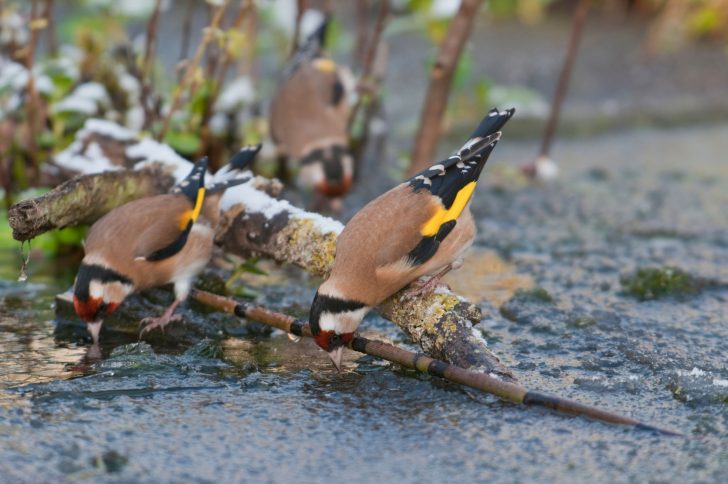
{"x": 224, "y": 185}
{"x": 244, "y": 157}
{"x": 492, "y": 122}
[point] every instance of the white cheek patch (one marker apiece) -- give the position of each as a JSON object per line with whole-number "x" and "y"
{"x": 109, "y": 292}
{"x": 96, "y": 289}
{"x": 344, "y": 322}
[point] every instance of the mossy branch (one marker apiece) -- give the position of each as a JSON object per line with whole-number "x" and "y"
{"x": 441, "y": 323}
{"x": 84, "y": 199}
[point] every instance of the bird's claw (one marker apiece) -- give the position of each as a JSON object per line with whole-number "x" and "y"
{"x": 160, "y": 322}
{"x": 423, "y": 289}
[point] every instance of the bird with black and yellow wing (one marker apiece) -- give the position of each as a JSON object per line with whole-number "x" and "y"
{"x": 151, "y": 242}
{"x": 420, "y": 227}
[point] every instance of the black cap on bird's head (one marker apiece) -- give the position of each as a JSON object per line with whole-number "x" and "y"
{"x": 333, "y": 322}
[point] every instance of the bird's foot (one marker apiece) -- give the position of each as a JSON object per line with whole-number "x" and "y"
{"x": 418, "y": 288}
{"x": 150, "y": 323}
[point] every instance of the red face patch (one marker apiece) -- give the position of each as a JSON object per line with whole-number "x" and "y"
{"x": 93, "y": 309}
{"x": 88, "y": 309}
{"x": 334, "y": 190}
{"x": 329, "y": 341}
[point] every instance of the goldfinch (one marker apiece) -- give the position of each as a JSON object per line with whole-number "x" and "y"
{"x": 309, "y": 116}
{"x": 420, "y": 227}
{"x": 151, "y": 242}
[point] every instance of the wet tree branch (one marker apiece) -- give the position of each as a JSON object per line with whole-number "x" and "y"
{"x": 505, "y": 390}
{"x": 84, "y": 199}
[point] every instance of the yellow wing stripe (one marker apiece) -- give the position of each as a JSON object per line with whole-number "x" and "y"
{"x": 325, "y": 65}
{"x": 191, "y": 215}
{"x": 443, "y": 215}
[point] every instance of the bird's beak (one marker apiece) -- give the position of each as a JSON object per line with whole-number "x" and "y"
{"x": 94, "y": 328}
{"x": 335, "y": 356}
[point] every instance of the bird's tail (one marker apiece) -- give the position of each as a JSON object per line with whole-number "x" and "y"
{"x": 483, "y": 140}
{"x": 242, "y": 159}
{"x": 492, "y": 122}
{"x": 225, "y": 179}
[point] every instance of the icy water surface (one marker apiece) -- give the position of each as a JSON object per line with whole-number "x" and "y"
{"x": 216, "y": 400}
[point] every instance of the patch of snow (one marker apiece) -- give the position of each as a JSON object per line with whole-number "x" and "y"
{"x": 86, "y": 99}
{"x": 256, "y": 201}
{"x": 129, "y": 84}
{"x": 12, "y": 75}
{"x": 92, "y": 160}
{"x": 66, "y": 63}
{"x": 43, "y": 84}
{"x": 149, "y": 151}
{"x": 131, "y": 8}
{"x": 135, "y": 118}
{"x": 444, "y": 8}
{"x": 219, "y": 124}
{"x": 236, "y": 94}
{"x": 720, "y": 383}
{"x": 284, "y": 14}
{"x": 76, "y": 105}
{"x": 13, "y": 28}
{"x": 106, "y": 128}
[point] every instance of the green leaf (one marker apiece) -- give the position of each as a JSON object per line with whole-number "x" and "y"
{"x": 184, "y": 143}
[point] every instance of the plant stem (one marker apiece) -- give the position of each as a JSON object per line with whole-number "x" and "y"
{"x": 208, "y": 34}
{"x": 301, "y": 6}
{"x": 186, "y": 34}
{"x": 577, "y": 27}
{"x": 51, "y": 35}
{"x": 146, "y": 74}
{"x": 438, "y": 90}
{"x": 371, "y": 54}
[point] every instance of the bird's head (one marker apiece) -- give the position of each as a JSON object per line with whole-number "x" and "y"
{"x": 98, "y": 291}
{"x": 333, "y": 322}
{"x": 329, "y": 170}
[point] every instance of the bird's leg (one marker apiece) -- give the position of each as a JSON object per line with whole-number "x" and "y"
{"x": 428, "y": 286}
{"x": 162, "y": 321}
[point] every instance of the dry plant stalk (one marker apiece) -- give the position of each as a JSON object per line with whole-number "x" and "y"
{"x": 190, "y": 69}
{"x": 577, "y": 28}
{"x": 438, "y": 90}
{"x": 220, "y": 70}
{"x": 146, "y": 71}
{"x": 301, "y": 6}
{"x": 35, "y": 110}
{"x": 368, "y": 63}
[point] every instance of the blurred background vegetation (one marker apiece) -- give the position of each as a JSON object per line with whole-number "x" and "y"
{"x": 198, "y": 75}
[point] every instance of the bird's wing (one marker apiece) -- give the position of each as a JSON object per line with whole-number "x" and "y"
{"x": 452, "y": 182}
{"x": 171, "y": 224}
